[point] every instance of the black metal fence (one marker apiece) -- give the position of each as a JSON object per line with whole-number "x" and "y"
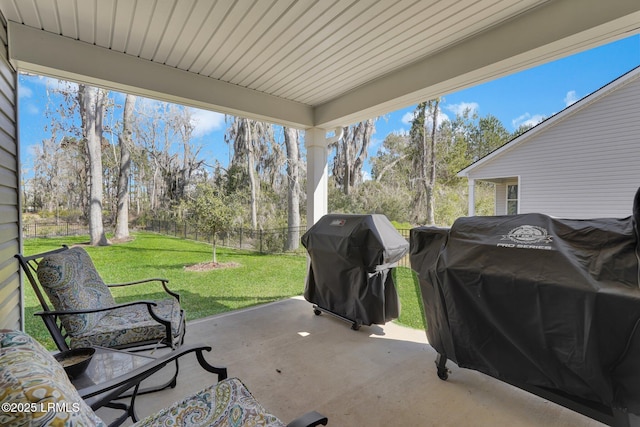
{"x": 264, "y": 241}
{"x": 53, "y": 229}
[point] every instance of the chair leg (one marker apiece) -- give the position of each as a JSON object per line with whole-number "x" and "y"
{"x": 132, "y": 407}
{"x": 129, "y": 409}
{"x": 310, "y": 419}
{"x": 169, "y": 384}
{"x": 220, "y": 371}
{"x": 122, "y": 418}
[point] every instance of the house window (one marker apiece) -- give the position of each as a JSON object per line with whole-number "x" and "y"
{"x": 512, "y": 199}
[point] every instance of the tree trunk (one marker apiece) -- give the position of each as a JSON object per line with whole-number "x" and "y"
{"x": 351, "y": 153}
{"x": 91, "y": 102}
{"x": 293, "y": 189}
{"x": 347, "y": 163}
{"x": 424, "y": 168}
{"x": 418, "y": 140}
{"x": 431, "y": 164}
{"x": 213, "y": 245}
{"x": 251, "y": 170}
{"x": 183, "y": 125}
{"x": 122, "y": 213}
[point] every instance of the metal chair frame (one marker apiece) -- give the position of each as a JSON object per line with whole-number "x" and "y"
{"x": 51, "y": 318}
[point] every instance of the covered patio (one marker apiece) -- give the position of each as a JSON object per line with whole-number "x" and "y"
{"x": 294, "y": 362}
{"x": 316, "y": 66}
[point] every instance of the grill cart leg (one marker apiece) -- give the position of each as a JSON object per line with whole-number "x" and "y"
{"x": 355, "y": 325}
{"x": 441, "y": 362}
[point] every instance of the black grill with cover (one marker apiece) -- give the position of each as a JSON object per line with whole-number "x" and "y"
{"x": 549, "y": 305}
{"x": 352, "y": 257}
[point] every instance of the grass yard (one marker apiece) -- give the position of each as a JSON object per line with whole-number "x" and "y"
{"x": 257, "y": 279}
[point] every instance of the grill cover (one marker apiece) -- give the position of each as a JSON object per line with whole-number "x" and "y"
{"x": 535, "y": 300}
{"x": 351, "y": 261}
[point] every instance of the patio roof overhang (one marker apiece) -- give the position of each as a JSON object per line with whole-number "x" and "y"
{"x": 313, "y": 65}
{"x": 302, "y": 63}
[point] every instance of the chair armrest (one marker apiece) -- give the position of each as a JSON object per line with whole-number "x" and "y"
{"x": 164, "y": 283}
{"x": 93, "y": 310}
{"x": 135, "y": 282}
{"x": 134, "y": 377}
{"x": 310, "y": 419}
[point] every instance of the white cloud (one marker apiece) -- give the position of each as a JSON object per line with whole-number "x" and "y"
{"x": 206, "y": 122}
{"x": 407, "y": 118}
{"x": 366, "y": 176}
{"x": 459, "y": 109}
{"x": 570, "y": 98}
{"x": 24, "y": 91}
{"x": 442, "y": 117}
{"x": 527, "y": 119}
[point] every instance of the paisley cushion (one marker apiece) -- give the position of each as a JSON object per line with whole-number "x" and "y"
{"x": 72, "y": 283}
{"x": 131, "y": 324}
{"x": 226, "y": 404}
{"x": 31, "y": 378}
{"x": 34, "y": 388}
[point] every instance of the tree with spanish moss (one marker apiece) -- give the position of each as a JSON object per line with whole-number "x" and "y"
{"x": 125, "y": 143}
{"x": 92, "y": 103}
{"x": 251, "y": 140}
{"x": 423, "y": 135}
{"x": 291, "y": 141}
{"x": 351, "y": 151}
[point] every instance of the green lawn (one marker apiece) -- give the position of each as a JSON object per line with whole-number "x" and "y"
{"x": 257, "y": 279}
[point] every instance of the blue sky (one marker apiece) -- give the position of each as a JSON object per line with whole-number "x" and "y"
{"x": 531, "y": 95}
{"x": 525, "y": 97}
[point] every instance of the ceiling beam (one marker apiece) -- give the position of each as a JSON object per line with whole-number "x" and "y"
{"x": 48, "y": 54}
{"x": 553, "y": 30}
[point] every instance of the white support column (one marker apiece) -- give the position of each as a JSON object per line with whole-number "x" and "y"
{"x": 472, "y": 197}
{"x": 317, "y": 145}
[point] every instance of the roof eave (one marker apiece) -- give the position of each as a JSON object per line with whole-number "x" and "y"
{"x": 551, "y": 121}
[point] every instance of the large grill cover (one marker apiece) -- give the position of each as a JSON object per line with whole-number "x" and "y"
{"x": 530, "y": 299}
{"x": 351, "y": 261}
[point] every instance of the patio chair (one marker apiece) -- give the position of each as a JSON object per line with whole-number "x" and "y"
{"x": 36, "y": 381}
{"x": 84, "y": 312}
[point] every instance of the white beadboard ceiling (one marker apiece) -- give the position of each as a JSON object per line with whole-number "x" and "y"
{"x": 302, "y": 62}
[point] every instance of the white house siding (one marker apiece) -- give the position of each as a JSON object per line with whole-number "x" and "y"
{"x": 10, "y": 300}
{"x": 586, "y": 165}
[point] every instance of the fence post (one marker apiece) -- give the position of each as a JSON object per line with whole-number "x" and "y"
{"x": 241, "y": 228}
{"x": 261, "y": 240}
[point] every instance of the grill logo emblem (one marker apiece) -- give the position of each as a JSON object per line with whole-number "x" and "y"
{"x": 527, "y": 236}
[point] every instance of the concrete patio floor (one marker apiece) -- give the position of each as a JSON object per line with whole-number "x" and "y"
{"x": 294, "y": 362}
